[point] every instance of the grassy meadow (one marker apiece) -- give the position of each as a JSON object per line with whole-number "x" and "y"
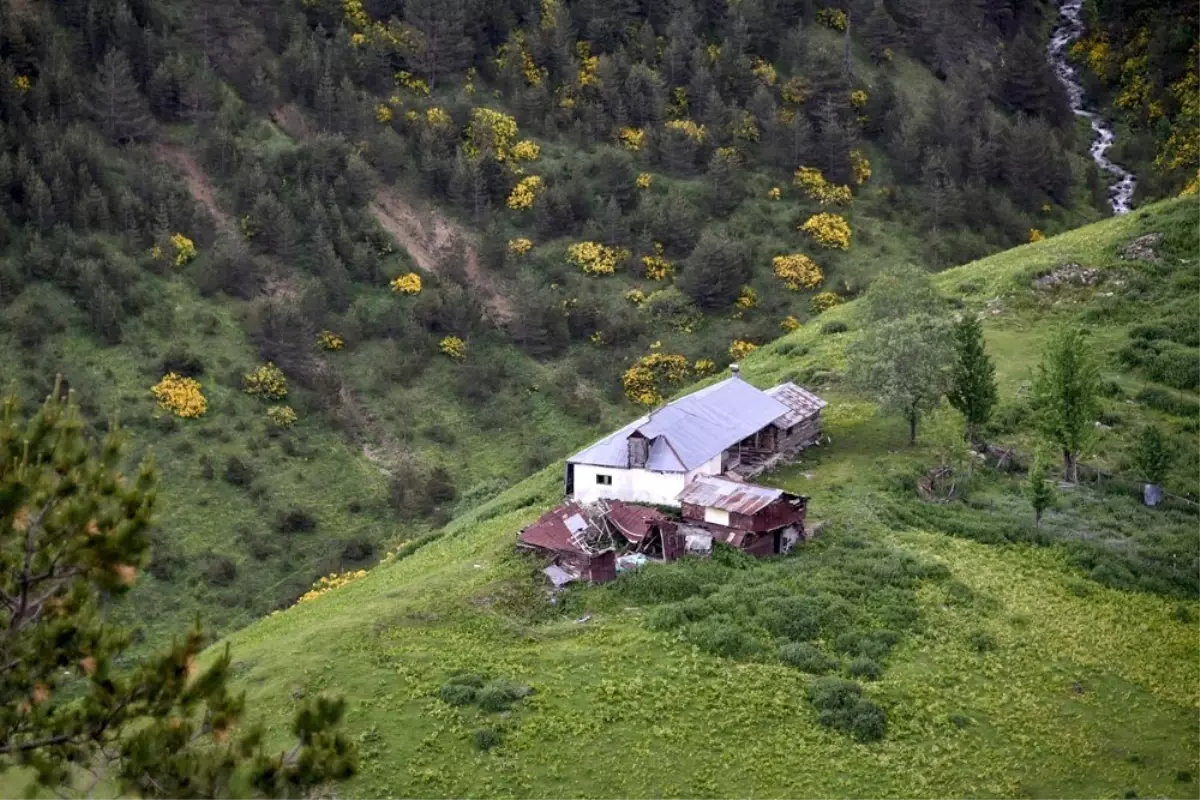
{"x": 1010, "y": 661}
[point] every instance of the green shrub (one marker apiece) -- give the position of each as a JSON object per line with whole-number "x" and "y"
{"x": 721, "y": 636}
{"x": 865, "y": 668}
{"x": 499, "y": 695}
{"x": 959, "y": 720}
{"x": 982, "y": 641}
{"x": 467, "y": 679}
{"x": 1168, "y": 402}
{"x": 834, "y": 327}
{"x": 797, "y": 618}
{"x": 456, "y": 694}
{"x": 806, "y": 658}
{"x": 485, "y": 739}
{"x": 840, "y": 706}
{"x": 868, "y": 644}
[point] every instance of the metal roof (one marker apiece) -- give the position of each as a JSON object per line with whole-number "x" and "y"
{"x": 738, "y": 498}
{"x": 691, "y": 430}
{"x": 801, "y": 403}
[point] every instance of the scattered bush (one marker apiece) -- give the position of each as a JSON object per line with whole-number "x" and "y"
{"x": 498, "y": 695}
{"x": 220, "y": 571}
{"x": 237, "y": 472}
{"x": 806, "y": 658}
{"x": 840, "y": 706}
{"x": 297, "y": 520}
{"x": 864, "y": 668}
{"x": 721, "y": 636}
{"x": 1168, "y": 402}
{"x": 834, "y": 327}
{"x": 959, "y": 720}
{"x": 455, "y": 694}
{"x": 982, "y": 641}
{"x": 485, "y": 739}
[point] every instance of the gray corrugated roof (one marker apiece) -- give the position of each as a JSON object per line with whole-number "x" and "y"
{"x": 691, "y": 430}
{"x": 740, "y": 498}
{"x": 801, "y": 403}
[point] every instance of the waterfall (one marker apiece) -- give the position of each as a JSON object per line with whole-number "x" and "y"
{"x": 1069, "y": 29}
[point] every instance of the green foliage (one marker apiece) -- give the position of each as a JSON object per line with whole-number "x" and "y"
{"x": 905, "y": 365}
{"x": 74, "y": 529}
{"x": 973, "y": 381}
{"x": 716, "y": 270}
{"x": 806, "y": 658}
{"x": 1066, "y": 392}
{"x": 1039, "y": 492}
{"x": 840, "y": 706}
{"x": 1153, "y": 454}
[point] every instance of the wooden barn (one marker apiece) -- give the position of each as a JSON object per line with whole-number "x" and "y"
{"x": 758, "y": 519}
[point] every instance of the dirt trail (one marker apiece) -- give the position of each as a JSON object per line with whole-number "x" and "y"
{"x": 426, "y": 235}
{"x": 197, "y": 183}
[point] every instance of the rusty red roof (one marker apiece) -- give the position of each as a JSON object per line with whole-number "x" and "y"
{"x": 738, "y": 498}
{"x": 634, "y": 522}
{"x": 552, "y": 530}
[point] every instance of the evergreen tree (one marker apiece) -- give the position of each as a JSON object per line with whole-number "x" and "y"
{"x": 1038, "y": 490}
{"x": 445, "y": 48}
{"x": 716, "y": 270}
{"x": 973, "y": 381}
{"x": 880, "y": 32}
{"x": 723, "y": 183}
{"x": 162, "y": 728}
{"x": 1066, "y": 389}
{"x": 117, "y": 103}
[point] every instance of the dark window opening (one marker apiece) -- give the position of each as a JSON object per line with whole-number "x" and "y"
{"x": 604, "y": 480}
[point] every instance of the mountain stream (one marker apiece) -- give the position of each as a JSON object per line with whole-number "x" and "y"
{"x": 1070, "y": 28}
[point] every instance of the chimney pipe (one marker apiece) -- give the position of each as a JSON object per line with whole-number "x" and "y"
{"x": 736, "y": 369}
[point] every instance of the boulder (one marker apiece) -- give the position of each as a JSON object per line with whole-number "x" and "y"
{"x": 1067, "y": 275}
{"x": 1143, "y": 248}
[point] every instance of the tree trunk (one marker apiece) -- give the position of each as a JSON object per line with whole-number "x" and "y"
{"x": 1070, "y": 467}
{"x": 912, "y": 428}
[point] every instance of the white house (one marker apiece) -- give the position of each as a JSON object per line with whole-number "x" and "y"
{"x": 729, "y": 427}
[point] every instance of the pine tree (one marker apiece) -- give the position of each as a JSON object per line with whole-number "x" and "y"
{"x": 973, "y": 381}
{"x": 445, "y": 46}
{"x": 715, "y": 271}
{"x": 1066, "y": 388}
{"x": 1038, "y": 490}
{"x": 117, "y": 102}
{"x": 723, "y": 184}
{"x": 162, "y": 728}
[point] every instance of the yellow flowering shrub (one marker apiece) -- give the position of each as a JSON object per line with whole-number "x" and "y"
{"x": 643, "y": 181}
{"x": 492, "y": 129}
{"x": 632, "y": 139}
{"x": 774, "y": 193}
{"x": 744, "y": 127}
{"x": 645, "y": 381}
{"x": 248, "y": 226}
{"x": 526, "y": 150}
{"x": 859, "y": 98}
{"x": 407, "y": 284}
{"x": 833, "y": 18}
{"x": 747, "y": 299}
{"x": 657, "y": 266}
{"x": 266, "y": 381}
{"x": 281, "y": 416}
{"x": 679, "y": 102}
{"x": 1035, "y": 235}
{"x": 797, "y": 271}
{"x": 594, "y": 258}
{"x": 328, "y": 340}
{"x": 597, "y": 338}
{"x": 156, "y": 252}
{"x": 383, "y": 113}
{"x": 828, "y": 230}
{"x": 453, "y": 347}
{"x": 816, "y": 187}
{"x": 714, "y": 53}
{"x": 326, "y": 584}
{"x": 22, "y": 83}
{"x": 860, "y": 166}
{"x": 636, "y": 296}
{"x": 524, "y": 193}
{"x": 703, "y": 367}
{"x": 438, "y": 117}
{"x": 763, "y": 71}
{"x": 588, "y": 64}
{"x": 520, "y": 246}
{"x": 823, "y": 301}
{"x": 412, "y": 83}
{"x": 739, "y": 349}
{"x": 795, "y": 92}
{"x": 182, "y": 396}
{"x": 789, "y": 323}
{"x": 185, "y": 249}
{"x": 688, "y": 128}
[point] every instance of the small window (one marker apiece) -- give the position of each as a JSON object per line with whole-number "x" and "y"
{"x": 604, "y": 480}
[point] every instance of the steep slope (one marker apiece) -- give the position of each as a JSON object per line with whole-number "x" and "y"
{"x": 1026, "y": 662}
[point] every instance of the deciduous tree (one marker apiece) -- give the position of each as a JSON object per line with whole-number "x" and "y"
{"x": 1038, "y": 490}
{"x": 1065, "y": 396}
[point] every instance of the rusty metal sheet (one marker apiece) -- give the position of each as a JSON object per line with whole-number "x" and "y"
{"x": 801, "y": 403}
{"x": 736, "y": 498}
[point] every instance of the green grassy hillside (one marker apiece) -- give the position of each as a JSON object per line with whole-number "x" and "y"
{"x": 1010, "y": 661}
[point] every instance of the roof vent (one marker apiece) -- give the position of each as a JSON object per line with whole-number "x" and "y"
{"x": 735, "y": 368}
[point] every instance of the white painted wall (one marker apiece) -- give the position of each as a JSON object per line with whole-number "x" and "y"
{"x": 717, "y": 516}
{"x": 634, "y": 485}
